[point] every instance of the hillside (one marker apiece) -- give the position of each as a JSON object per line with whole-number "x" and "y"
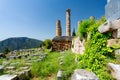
{"x": 19, "y": 43}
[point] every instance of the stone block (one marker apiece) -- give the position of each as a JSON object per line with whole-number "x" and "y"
{"x": 114, "y": 33}
{"x": 9, "y": 77}
{"x": 38, "y": 60}
{"x": 28, "y": 64}
{"x": 112, "y": 9}
{"x": 115, "y": 70}
{"x": 59, "y": 74}
{"x": 81, "y": 74}
{"x": 104, "y": 27}
{"x": 117, "y": 51}
{"x": 24, "y": 75}
{"x": 109, "y": 26}
{"x": 118, "y": 33}
{"x": 12, "y": 57}
{"x": 23, "y": 68}
{"x": 5, "y": 63}
{"x": 114, "y": 24}
{"x": 114, "y": 43}
{"x": 27, "y": 72}
{"x": 14, "y": 64}
{"x": 35, "y": 54}
{"x": 61, "y": 63}
{"x": 78, "y": 46}
{"x": 10, "y": 68}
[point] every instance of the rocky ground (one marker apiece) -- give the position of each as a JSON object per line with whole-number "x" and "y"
{"x": 17, "y": 64}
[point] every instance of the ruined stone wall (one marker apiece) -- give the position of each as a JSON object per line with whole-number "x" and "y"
{"x": 112, "y": 13}
{"x": 112, "y": 10}
{"x": 61, "y": 45}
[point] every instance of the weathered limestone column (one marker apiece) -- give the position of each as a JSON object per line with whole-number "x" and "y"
{"x": 58, "y": 28}
{"x": 68, "y": 23}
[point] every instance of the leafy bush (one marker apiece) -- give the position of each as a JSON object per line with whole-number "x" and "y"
{"x": 7, "y": 50}
{"x": 95, "y": 58}
{"x": 69, "y": 65}
{"x": 47, "y": 44}
{"x": 83, "y": 28}
{"x": 96, "y": 54}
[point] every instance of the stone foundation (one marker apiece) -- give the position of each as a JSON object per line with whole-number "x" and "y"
{"x": 61, "y": 43}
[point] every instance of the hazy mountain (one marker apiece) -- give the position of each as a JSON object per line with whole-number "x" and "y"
{"x": 19, "y": 43}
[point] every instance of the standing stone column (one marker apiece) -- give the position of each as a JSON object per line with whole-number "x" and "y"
{"x": 68, "y": 23}
{"x": 58, "y": 28}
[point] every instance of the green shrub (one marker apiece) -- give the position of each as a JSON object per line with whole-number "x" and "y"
{"x": 83, "y": 28}
{"x": 68, "y": 65}
{"x": 96, "y": 55}
{"x": 7, "y": 50}
{"x": 47, "y": 44}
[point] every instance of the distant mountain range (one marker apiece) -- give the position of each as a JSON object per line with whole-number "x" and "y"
{"x": 19, "y": 43}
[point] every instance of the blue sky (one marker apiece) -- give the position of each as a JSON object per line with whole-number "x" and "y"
{"x": 37, "y": 18}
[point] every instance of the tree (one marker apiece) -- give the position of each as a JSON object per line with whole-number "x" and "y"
{"x": 83, "y": 27}
{"x": 7, "y": 50}
{"x": 47, "y": 44}
{"x": 73, "y": 33}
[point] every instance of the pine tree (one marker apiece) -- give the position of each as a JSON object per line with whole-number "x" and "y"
{"x": 7, "y": 50}
{"x": 73, "y": 33}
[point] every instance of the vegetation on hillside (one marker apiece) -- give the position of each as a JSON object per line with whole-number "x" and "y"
{"x": 96, "y": 55}
{"x": 47, "y": 44}
{"x": 95, "y": 58}
{"x": 47, "y": 67}
{"x": 51, "y": 65}
{"x": 19, "y": 43}
{"x": 83, "y": 27}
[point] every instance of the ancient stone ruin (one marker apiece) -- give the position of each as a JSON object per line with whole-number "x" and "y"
{"x": 62, "y": 43}
{"x": 81, "y": 74}
{"x": 58, "y": 28}
{"x": 68, "y": 23}
{"x": 112, "y": 9}
{"x": 15, "y": 68}
{"x": 112, "y": 24}
{"x": 78, "y": 46}
{"x": 112, "y": 13}
{"x": 115, "y": 70}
